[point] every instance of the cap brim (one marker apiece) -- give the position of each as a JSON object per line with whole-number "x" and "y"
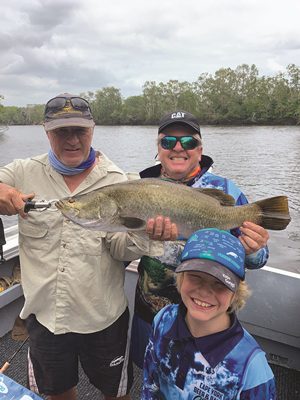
{"x": 213, "y": 268}
{"x": 65, "y": 122}
{"x": 190, "y": 124}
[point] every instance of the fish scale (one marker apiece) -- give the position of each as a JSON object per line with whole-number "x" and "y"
{"x": 128, "y": 205}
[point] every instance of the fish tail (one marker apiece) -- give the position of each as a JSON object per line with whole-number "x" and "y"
{"x": 274, "y": 212}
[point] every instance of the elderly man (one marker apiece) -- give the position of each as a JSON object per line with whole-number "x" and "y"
{"x": 75, "y": 306}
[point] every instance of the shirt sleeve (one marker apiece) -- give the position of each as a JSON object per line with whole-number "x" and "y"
{"x": 258, "y": 259}
{"x": 259, "y": 380}
{"x": 7, "y": 174}
{"x": 129, "y": 246}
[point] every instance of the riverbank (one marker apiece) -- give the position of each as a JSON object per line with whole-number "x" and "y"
{"x": 210, "y": 123}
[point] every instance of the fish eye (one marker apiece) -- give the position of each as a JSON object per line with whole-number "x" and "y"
{"x": 71, "y": 200}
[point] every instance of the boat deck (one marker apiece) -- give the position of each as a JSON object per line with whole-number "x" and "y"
{"x": 17, "y": 371}
{"x": 287, "y": 380}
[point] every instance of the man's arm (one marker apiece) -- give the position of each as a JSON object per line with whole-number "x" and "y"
{"x": 254, "y": 238}
{"x": 132, "y": 245}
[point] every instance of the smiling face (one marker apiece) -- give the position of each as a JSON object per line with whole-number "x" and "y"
{"x": 207, "y": 301}
{"x": 177, "y": 162}
{"x": 71, "y": 145}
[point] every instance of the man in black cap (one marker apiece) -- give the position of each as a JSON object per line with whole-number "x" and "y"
{"x": 75, "y": 305}
{"x": 181, "y": 158}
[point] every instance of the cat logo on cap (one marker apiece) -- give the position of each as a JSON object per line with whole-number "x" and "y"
{"x": 179, "y": 114}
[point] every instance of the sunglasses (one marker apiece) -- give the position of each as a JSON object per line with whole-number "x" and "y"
{"x": 187, "y": 142}
{"x": 58, "y": 103}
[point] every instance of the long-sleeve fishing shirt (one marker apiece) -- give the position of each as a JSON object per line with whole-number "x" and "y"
{"x": 72, "y": 278}
{"x": 227, "y": 365}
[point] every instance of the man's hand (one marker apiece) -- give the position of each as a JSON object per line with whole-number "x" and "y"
{"x": 161, "y": 228}
{"x": 12, "y": 201}
{"x": 253, "y": 237}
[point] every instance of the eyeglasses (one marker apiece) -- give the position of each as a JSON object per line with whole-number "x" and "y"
{"x": 187, "y": 142}
{"x": 58, "y": 103}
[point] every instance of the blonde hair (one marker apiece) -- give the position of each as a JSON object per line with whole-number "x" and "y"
{"x": 239, "y": 299}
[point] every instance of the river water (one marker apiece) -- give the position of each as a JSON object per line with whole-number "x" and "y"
{"x": 263, "y": 161}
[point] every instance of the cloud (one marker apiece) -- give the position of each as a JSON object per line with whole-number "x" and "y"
{"x": 53, "y": 46}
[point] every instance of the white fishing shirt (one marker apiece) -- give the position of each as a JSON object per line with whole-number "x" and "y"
{"x": 72, "y": 278}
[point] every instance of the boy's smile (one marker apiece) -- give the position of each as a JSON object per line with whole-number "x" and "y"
{"x": 207, "y": 301}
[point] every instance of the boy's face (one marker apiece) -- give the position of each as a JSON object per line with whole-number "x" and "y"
{"x": 206, "y": 299}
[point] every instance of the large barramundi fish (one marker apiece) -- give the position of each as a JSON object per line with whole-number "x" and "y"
{"x": 128, "y": 205}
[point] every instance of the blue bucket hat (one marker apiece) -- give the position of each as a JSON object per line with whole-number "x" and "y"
{"x": 217, "y": 253}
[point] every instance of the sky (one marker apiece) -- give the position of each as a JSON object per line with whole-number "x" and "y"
{"x": 49, "y": 47}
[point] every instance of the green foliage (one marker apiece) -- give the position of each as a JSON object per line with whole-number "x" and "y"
{"x": 133, "y": 111}
{"x": 106, "y": 105}
{"x": 154, "y": 269}
{"x": 229, "y": 96}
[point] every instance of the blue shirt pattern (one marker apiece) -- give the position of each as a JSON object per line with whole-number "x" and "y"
{"x": 175, "y": 368}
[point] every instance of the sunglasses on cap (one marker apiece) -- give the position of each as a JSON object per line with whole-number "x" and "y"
{"x": 187, "y": 142}
{"x": 58, "y": 103}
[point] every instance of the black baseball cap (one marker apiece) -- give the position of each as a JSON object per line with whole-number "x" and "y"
{"x": 179, "y": 117}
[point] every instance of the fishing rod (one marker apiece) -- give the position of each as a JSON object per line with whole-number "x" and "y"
{"x": 2, "y": 242}
{"x": 7, "y": 363}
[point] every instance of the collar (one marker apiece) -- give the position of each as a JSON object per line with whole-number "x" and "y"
{"x": 187, "y": 180}
{"x": 155, "y": 171}
{"x": 213, "y": 347}
{"x": 66, "y": 170}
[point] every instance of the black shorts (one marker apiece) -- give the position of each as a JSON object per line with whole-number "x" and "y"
{"x": 104, "y": 357}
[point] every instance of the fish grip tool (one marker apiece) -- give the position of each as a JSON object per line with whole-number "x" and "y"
{"x": 41, "y": 205}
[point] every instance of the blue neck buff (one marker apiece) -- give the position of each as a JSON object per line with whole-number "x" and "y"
{"x": 64, "y": 170}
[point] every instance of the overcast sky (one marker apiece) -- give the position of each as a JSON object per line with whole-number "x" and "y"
{"x": 52, "y": 46}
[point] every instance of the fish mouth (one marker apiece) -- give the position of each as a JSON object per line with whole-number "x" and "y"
{"x": 71, "y": 213}
{"x": 65, "y": 204}
{"x": 59, "y": 204}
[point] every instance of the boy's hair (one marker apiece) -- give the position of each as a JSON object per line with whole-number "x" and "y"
{"x": 240, "y": 297}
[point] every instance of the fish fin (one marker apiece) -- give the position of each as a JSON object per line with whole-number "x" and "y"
{"x": 133, "y": 223}
{"x": 275, "y": 212}
{"x": 223, "y": 198}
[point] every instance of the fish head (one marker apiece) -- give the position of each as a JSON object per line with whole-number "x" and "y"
{"x": 92, "y": 211}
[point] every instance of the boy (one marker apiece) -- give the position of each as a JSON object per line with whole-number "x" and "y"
{"x": 198, "y": 349}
